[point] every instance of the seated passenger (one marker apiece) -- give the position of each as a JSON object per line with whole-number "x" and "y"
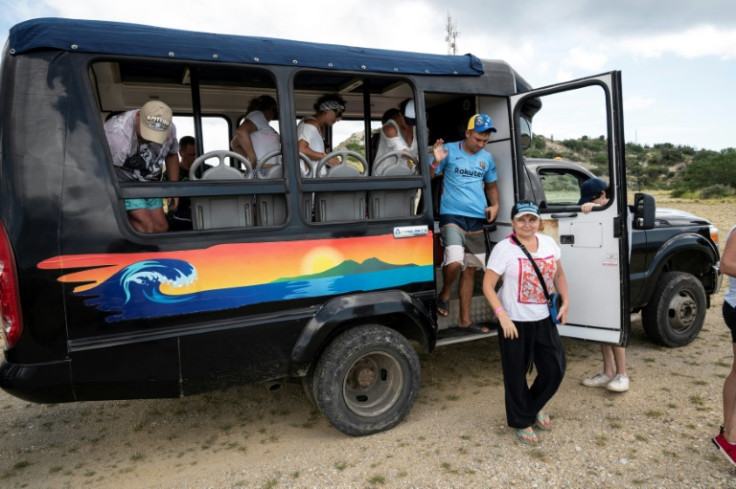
{"x": 141, "y": 141}
{"x": 376, "y": 135}
{"x": 398, "y": 133}
{"x": 311, "y": 132}
{"x": 180, "y": 217}
{"x": 255, "y": 138}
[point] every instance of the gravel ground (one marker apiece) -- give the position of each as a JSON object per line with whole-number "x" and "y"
{"x": 656, "y": 435}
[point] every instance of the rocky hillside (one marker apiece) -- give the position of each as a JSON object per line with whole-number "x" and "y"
{"x": 681, "y": 170}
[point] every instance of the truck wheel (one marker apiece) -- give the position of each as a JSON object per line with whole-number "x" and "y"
{"x": 676, "y": 310}
{"x": 308, "y": 384}
{"x": 366, "y": 380}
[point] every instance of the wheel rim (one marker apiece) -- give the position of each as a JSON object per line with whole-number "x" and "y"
{"x": 373, "y": 384}
{"x": 683, "y": 311}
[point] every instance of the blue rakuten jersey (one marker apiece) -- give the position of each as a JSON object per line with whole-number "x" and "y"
{"x": 463, "y": 191}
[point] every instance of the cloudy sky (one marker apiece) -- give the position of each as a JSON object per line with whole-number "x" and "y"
{"x": 678, "y": 58}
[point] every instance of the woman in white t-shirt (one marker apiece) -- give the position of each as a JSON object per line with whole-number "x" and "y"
{"x": 311, "y": 131}
{"x": 529, "y": 335}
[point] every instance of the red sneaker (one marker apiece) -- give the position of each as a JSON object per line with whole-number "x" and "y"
{"x": 726, "y": 448}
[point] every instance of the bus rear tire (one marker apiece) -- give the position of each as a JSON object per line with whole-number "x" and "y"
{"x": 366, "y": 380}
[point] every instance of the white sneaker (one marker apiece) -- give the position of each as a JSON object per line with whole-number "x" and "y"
{"x": 620, "y": 383}
{"x": 599, "y": 380}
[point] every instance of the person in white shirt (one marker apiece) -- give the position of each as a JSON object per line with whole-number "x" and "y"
{"x": 311, "y": 131}
{"x": 528, "y": 335}
{"x": 255, "y": 138}
{"x": 398, "y": 133}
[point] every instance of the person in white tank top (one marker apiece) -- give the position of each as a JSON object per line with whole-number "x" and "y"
{"x": 255, "y": 138}
{"x": 399, "y": 133}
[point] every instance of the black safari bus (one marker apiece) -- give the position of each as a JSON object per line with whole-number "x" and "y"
{"x": 327, "y": 278}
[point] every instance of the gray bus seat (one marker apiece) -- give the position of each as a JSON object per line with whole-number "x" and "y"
{"x": 270, "y": 208}
{"x": 395, "y": 163}
{"x": 341, "y": 206}
{"x": 221, "y": 211}
{"x": 393, "y": 203}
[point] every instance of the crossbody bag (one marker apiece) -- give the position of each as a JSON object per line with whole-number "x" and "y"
{"x": 554, "y": 301}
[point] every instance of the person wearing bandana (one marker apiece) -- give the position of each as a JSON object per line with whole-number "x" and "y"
{"x": 311, "y": 131}
{"x": 141, "y": 142}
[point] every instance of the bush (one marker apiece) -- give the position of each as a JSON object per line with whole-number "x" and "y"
{"x": 707, "y": 168}
{"x": 679, "y": 192}
{"x": 716, "y": 191}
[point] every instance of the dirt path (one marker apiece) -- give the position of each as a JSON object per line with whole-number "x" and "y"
{"x": 655, "y": 435}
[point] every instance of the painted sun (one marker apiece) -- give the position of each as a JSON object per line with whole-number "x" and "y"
{"x": 319, "y": 259}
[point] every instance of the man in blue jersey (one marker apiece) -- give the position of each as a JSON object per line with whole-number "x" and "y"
{"x": 469, "y": 200}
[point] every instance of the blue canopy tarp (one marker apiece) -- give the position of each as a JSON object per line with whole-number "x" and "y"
{"x": 117, "y": 38}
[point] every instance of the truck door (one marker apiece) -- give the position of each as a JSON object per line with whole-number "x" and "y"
{"x": 571, "y": 122}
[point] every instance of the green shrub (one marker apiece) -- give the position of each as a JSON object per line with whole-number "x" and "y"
{"x": 716, "y": 191}
{"x": 679, "y": 192}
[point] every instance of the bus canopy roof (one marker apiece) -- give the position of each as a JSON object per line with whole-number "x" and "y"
{"x": 102, "y": 37}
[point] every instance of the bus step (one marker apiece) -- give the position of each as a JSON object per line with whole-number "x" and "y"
{"x": 452, "y": 336}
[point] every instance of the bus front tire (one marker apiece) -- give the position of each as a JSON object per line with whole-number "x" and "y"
{"x": 366, "y": 380}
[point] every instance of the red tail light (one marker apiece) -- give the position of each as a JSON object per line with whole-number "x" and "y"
{"x": 10, "y": 316}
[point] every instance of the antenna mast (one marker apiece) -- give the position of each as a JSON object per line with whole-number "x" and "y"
{"x": 451, "y": 35}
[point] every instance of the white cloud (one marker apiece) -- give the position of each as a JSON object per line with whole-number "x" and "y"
{"x": 586, "y": 60}
{"x": 398, "y": 25}
{"x": 669, "y": 48}
{"x": 692, "y": 43}
{"x": 563, "y": 74}
{"x": 633, "y": 104}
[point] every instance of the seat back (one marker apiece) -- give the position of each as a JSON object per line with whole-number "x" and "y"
{"x": 393, "y": 203}
{"x": 222, "y": 172}
{"x": 341, "y": 206}
{"x": 270, "y": 208}
{"x": 222, "y": 211}
{"x": 212, "y": 212}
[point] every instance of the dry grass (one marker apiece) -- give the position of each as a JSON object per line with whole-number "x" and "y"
{"x": 456, "y": 435}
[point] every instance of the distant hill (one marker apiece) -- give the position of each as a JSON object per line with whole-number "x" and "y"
{"x": 349, "y": 267}
{"x": 681, "y": 170}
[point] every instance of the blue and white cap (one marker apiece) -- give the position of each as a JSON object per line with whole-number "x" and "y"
{"x": 524, "y": 207}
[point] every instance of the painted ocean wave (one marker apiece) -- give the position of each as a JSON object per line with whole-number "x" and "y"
{"x": 135, "y": 292}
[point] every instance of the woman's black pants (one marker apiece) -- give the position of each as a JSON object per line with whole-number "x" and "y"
{"x": 539, "y": 344}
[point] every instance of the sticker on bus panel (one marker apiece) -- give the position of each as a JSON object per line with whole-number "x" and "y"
{"x": 147, "y": 285}
{"x": 410, "y": 231}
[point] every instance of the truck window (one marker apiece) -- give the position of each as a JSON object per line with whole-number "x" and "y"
{"x": 569, "y": 127}
{"x": 560, "y": 189}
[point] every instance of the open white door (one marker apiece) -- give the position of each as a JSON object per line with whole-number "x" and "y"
{"x": 571, "y": 117}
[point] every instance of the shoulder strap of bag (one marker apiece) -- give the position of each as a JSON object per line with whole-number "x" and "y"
{"x": 534, "y": 264}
